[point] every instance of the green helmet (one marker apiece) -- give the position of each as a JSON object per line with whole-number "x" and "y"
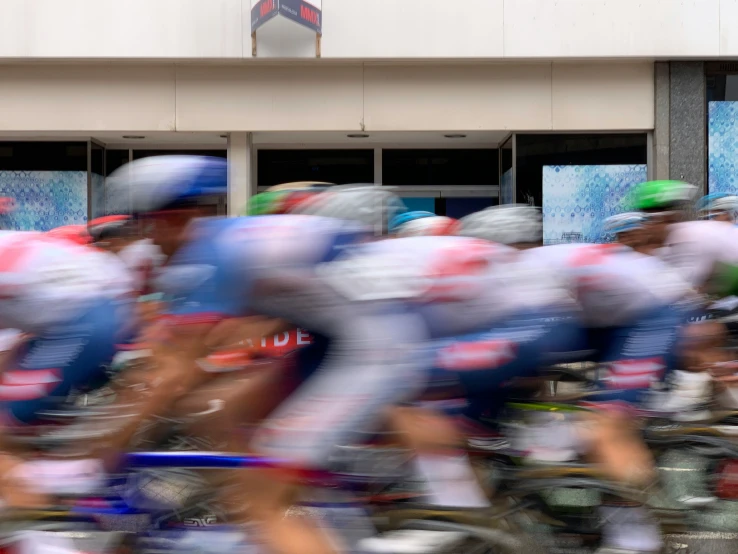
{"x": 264, "y": 203}
{"x": 654, "y": 195}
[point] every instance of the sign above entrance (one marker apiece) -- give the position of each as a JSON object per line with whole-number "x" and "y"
{"x": 308, "y": 14}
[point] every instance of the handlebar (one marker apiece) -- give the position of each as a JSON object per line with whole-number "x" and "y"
{"x": 198, "y": 460}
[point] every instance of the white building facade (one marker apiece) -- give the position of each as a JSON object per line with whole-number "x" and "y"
{"x": 450, "y": 102}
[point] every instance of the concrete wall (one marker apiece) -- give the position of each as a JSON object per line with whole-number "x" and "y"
{"x": 372, "y": 29}
{"x": 556, "y": 96}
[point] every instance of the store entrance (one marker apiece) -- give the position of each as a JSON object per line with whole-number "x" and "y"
{"x": 446, "y": 181}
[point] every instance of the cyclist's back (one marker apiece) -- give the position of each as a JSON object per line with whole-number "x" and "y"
{"x": 695, "y": 248}
{"x": 74, "y": 303}
{"x": 613, "y": 284}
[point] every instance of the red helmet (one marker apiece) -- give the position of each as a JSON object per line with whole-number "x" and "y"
{"x": 108, "y": 226}
{"x": 74, "y": 233}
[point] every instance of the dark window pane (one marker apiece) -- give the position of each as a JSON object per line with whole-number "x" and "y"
{"x": 115, "y": 159}
{"x": 440, "y": 167}
{"x": 138, "y": 154}
{"x": 97, "y": 161}
{"x": 460, "y": 207}
{"x": 43, "y": 156}
{"x": 722, "y": 88}
{"x": 535, "y": 151}
{"x": 330, "y": 166}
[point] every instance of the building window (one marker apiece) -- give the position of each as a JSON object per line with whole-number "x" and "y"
{"x": 411, "y": 167}
{"x": 340, "y": 167}
{"x": 536, "y": 151}
{"x": 43, "y": 156}
{"x": 115, "y": 159}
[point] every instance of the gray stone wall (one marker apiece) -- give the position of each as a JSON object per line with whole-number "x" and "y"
{"x": 680, "y": 141}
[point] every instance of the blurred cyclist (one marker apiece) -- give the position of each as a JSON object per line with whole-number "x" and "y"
{"x": 718, "y": 206}
{"x": 628, "y": 230}
{"x": 75, "y": 304}
{"x": 77, "y": 234}
{"x": 627, "y": 306}
{"x": 223, "y": 268}
{"x": 422, "y": 224}
{"x": 697, "y": 249}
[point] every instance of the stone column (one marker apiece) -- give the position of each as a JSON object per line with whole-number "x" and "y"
{"x": 687, "y": 123}
{"x": 241, "y": 185}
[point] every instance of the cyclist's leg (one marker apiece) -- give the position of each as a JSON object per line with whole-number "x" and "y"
{"x": 634, "y": 357}
{"x": 372, "y": 363}
{"x": 481, "y": 364}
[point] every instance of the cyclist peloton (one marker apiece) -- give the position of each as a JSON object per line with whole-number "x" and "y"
{"x": 377, "y": 304}
{"x": 625, "y": 299}
{"x": 223, "y": 268}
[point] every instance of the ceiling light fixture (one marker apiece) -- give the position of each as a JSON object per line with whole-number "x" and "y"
{"x": 453, "y": 136}
{"x": 358, "y": 135}
{"x": 134, "y": 137}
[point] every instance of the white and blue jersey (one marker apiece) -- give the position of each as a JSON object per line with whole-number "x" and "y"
{"x": 213, "y": 277}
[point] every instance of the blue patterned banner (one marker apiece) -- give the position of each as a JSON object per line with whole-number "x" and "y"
{"x": 44, "y": 199}
{"x": 98, "y": 195}
{"x": 722, "y": 130}
{"x": 506, "y": 187}
{"x": 577, "y": 199}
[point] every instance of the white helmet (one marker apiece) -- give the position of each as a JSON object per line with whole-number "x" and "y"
{"x": 718, "y": 202}
{"x": 435, "y": 226}
{"x": 621, "y": 223}
{"x": 509, "y": 224}
{"x": 368, "y": 204}
{"x": 155, "y": 183}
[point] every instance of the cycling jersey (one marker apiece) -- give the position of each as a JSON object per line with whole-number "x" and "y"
{"x": 45, "y": 282}
{"x": 74, "y": 300}
{"x": 612, "y": 284}
{"x": 213, "y": 276}
{"x": 696, "y": 247}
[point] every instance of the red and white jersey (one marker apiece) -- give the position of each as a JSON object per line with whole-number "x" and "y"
{"x": 696, "y": 247}
{"x": 46, "y": 281}
{"x": 461, "y": 283}
{"x": 612, "y": 284}
{"x": 142, "y": 258}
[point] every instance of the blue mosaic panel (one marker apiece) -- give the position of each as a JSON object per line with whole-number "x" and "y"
{"x": 98, "y": 195}
{"x": 722, "y": 143}
{"x": 44, "y": 199}
{"x": 578, "y": 198}
{"x": 506, "y": 187}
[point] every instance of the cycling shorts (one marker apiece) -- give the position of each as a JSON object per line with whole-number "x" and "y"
{"x": 66, "y": 357}
{"x": 480, "y": 365}
{"x": 636, "y": 356}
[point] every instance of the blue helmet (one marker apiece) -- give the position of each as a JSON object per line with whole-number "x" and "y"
{"x": 621, "y": 223}
{"x": 400, "y": 220}
{"x": 161, "y": 182}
